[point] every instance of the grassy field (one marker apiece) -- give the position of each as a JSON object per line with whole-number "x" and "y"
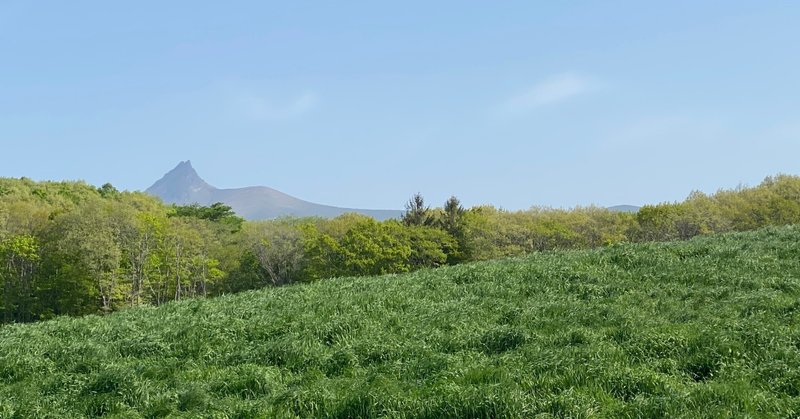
{"x": 705, "y": 328}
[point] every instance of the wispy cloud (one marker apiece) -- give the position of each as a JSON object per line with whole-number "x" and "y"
{"x": 554, "y": 90}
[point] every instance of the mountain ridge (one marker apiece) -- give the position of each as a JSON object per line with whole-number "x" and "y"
{"x": 625, "y": 208}
{"x": 183, "y": 186}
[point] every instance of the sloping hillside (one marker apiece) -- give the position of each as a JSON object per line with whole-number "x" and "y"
{"x": 705, "y": 328}
{"x": 182, "y": 185}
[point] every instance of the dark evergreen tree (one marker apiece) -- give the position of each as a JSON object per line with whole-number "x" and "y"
{"x": 417, "y": 214}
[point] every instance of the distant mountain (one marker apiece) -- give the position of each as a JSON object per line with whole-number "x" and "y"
{"x": 183, "y": 186}
{"x": 624, "y": 208}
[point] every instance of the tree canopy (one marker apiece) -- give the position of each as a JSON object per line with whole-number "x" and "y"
{"x": 68, "y": 248}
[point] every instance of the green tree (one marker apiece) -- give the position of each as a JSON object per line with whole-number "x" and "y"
{"x": 217, "y": 212}
{"x": 324, "y": 256}
{"x": 278, "y": 248}
{"x": 19, "y": 260}
{"x": 452, "y": 221}
{"x": 372, "y": 248}
{"x": 430, "y": 247}
{"x": 89, "y": 238}
{"x": 416, "y": 212}
{"x": 108, "y": 190}
{"x": 365, "y": 247}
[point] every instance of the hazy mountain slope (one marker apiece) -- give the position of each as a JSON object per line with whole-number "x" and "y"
{"x": 183, "y": 186}
{"x": 624, "y": 208}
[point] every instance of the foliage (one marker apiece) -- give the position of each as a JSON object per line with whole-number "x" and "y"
{"x": 99, "y": 250}
{"x": 700, "y": 328}
{"x": 19, "y": 260}
{"x": 775, "y": 202}
{"x": 367, "y": 247}
{"x": 217, "y": 212}
{"x": 417, "y": 213}
{"x": 277, "y": 248}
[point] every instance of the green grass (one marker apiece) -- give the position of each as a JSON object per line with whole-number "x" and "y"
{"x": 706, "y": 328}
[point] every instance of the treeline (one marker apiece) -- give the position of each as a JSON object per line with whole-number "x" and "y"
{"x": 68, "y": 248}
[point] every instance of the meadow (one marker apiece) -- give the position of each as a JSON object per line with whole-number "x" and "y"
{"x": 701, "y": 328}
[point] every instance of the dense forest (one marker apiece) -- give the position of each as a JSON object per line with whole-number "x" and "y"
{"x": 69, "y": 248}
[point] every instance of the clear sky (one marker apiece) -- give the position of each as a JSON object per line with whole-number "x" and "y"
{"x": 361, "y": 104}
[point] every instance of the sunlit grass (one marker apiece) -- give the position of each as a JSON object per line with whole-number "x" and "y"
{"x": 706, "y": 328}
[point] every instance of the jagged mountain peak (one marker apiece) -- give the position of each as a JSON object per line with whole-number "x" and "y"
{"x": 183, "y": 170}
{"x": 182, "y": 185}
{"x": 184, "y": 165}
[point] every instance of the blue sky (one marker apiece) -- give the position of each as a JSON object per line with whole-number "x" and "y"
{"x": 362, "y": 104}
